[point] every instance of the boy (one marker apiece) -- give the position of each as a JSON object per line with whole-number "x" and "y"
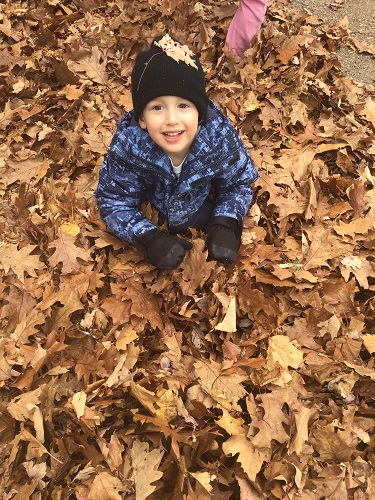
{"x": 173, "y": 149}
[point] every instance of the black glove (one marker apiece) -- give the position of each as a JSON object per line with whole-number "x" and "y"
{"x": 223, "y": 239}
{"x": 162, "y": 250}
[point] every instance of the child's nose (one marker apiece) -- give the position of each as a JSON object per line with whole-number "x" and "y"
{"x": 172, "y": 116}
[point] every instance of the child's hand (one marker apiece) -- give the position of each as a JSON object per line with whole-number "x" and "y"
{"x": 223, "y": 239}
{"x": 163, "y": 250}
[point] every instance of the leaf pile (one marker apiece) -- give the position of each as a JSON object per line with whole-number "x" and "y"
{"x": 121, "y": 381}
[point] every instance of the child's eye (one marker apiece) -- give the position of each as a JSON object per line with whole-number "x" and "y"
{"x": 156, "y": 107}
{"x": 184, "y": 105}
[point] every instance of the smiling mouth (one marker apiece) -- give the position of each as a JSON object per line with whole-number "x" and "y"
{"x": 172, "y": 135}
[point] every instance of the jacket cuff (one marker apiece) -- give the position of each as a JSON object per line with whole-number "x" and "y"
{"x": 229, "y": 222}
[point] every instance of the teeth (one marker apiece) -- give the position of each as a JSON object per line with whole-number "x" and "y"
{"x": 172, "y": 134}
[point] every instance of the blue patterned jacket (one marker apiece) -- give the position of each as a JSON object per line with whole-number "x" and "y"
{"x": 136, "y": 169}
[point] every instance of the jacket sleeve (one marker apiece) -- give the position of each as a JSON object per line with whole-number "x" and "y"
{"x": 233, "y": 184}
{"x": 119, "y": 195}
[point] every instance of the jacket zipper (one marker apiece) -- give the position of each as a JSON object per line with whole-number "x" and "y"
{"x": 158, "y": 173}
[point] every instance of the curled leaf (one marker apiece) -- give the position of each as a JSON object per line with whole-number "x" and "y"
{"x": 176, "y": 51}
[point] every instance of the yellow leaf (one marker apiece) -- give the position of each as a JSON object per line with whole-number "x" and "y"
{"x": 70, "y": 228}
{"x": 167, "y": 404}
{"x": 231, "y": 424}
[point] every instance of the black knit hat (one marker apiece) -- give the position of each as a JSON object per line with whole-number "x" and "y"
{"x": 156, "y": 73}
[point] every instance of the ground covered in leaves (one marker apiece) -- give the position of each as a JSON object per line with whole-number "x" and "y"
{"x": 255, "y": 380}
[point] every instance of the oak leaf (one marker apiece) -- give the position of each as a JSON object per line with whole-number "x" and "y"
{"x": 195, "y": 259}
{"x": 360, "y": 267}
{"x": 323, "y": 245}
{"x": 204, "y": 478}
{"x": 176, "y": 51}
{"x": 251, "y": 459}
{"x": 233, "y": 425}
{"x": 357, "y": 228}
{"x": 19, "y": 260}
{"x": 144, "y": 304}
{"x": 27, "y": 170}
{"x": 145, "y": 465}
{"x": 61, "y": 315}
{"x": 226, "y": 390}
{"x": 332, "y": 444}
{"x": 106, "y": 487}
{"x": 92, "y": 66}
{"x": 67, "y": 252}
{"x": 97, "y": 140}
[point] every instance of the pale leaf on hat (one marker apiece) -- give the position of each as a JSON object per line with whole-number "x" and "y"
{"x": 176, "y": 51}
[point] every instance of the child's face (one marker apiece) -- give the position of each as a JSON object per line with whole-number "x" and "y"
{"x": 172, "y": 123}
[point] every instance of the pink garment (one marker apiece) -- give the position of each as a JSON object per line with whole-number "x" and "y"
{"x": 245, "y": 24}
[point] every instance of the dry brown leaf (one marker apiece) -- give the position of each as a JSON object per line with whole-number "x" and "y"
{"x": 106, "y": 487}
{"x": 145, "y": 464}
{"x": 19, "y": 260}
{"x": 251, "y": 459}
{"x": 176, "y": 51}
{"x": 226, "y": 390}
{"x": 67, "y": 252}
{"x": 92, "y": 66}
